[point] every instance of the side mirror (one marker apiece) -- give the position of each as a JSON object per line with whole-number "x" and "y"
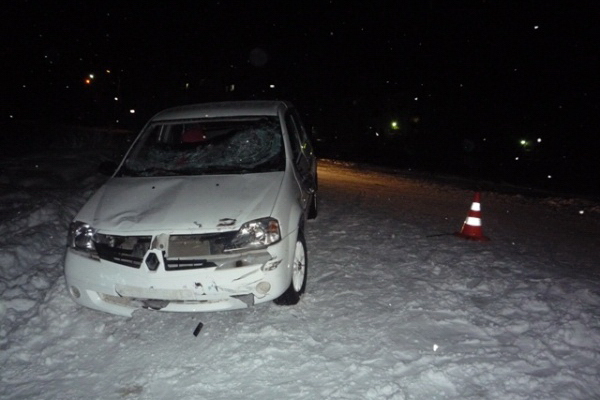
{"x": 107, "y": 168}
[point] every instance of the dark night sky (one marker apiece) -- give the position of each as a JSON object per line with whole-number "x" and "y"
{"x": 451, "y": 72}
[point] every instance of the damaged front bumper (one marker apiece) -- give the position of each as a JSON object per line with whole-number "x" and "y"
{"x": 251, "y": 278}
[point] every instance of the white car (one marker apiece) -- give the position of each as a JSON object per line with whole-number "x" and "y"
{"x": 205, "y": 212}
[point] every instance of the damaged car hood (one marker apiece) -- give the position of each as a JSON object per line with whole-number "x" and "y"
{"x": 193, "y": 203}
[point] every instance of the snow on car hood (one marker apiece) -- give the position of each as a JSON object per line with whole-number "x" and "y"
{"x": 198, "y": 203}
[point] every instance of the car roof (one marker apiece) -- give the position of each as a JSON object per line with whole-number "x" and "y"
{"x": 223, "y": 109}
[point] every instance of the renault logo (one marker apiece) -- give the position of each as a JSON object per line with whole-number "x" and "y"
{"x": 152, "y": 261}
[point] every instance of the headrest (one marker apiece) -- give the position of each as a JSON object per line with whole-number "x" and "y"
{"x": 193, "y": 135}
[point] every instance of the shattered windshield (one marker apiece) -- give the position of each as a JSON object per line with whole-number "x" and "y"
{"x": 207, "y": 146}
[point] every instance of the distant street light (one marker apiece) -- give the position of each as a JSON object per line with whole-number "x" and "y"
{"x": 526, "y": 144}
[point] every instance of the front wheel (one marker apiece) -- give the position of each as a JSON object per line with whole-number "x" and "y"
{"x": 299, "y": 272}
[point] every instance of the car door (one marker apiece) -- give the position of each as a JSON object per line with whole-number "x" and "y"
{"x": 302, "y": 155}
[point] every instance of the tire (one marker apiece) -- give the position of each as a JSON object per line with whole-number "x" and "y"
{"x": 299, "y": 274}
{"x": 313, "y": 209}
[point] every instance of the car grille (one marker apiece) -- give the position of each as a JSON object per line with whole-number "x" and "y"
{"x": 200, "y": 245}
{"x": 124, "y": 250}
{"x": 173, "y": 264}
{"x": 184, "y": 251}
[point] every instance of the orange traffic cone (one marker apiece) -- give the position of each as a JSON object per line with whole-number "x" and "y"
{"x": 471, "y": 228}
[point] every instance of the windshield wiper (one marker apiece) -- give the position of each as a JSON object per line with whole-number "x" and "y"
{"x": 227, "y": 169}
{"x": 243, "y": 170}
{"x": 147, "y": 172}
{"x": 206, "y": 170}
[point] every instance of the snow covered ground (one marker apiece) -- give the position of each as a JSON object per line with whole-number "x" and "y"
{"x": 396, "y": 307}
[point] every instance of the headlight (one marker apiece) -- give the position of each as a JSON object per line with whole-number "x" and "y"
{"x": 257, "y": 234}
{"x": 81, "y": 236}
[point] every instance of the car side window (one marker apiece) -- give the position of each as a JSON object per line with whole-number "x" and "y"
{"x": 301, "y": 160}
{"x": 305, "y": 145}
{"x": 294, "y": 137}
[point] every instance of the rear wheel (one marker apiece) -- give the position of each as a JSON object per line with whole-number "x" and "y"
{"x": 299, "y": 272}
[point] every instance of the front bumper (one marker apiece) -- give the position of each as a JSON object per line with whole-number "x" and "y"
{"x": 117, "y": 289}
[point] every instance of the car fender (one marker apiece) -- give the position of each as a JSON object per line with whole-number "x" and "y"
{"x": 290, "y": 213}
